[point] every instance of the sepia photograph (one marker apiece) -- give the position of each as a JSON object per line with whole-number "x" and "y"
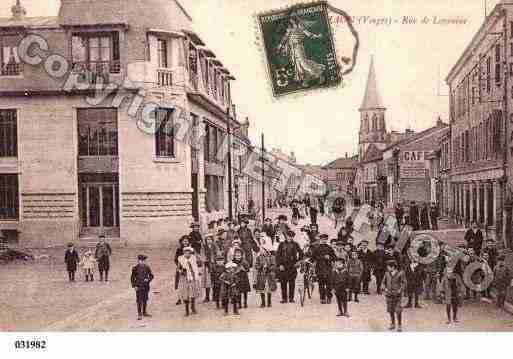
{"x": 235, "y": 166}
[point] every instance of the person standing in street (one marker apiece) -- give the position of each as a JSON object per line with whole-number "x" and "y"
{"x": 189, "y": 284}
{"x": 379, "y": 266}
{"x": 323, "y": 257}
{"x": 248, "y": 244}
{"x": 502, "y": 280}
{"x": 141, "y": 278}
{"x": 413, "y": 216}
{"x": 433, "y": 216}
{"x": 314, "y": 210}
{"x": 395, "y": 284}
{"x": 287, "y": 255}
{"x": 367, "y": 257}
{"x": 265, "y": 282}
{"x": 399, "y": 215}
{"x": 355, "y": 269}
{"x": 71, "y": 259}
{"x": 102, "y": 255}
{"x": 424, "y": 217}
{"x": 452, "y": 290}
{"x": 474, "y": 238}
{"x": 338, "y": 209}
{"x": 415, "y": 276}
{"x": 340, "y": 284}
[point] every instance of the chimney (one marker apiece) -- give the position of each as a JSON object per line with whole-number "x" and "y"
{"x": 439, "y": 122}
{"x": 245, "y": 127}
{"x": 18, "y": 11}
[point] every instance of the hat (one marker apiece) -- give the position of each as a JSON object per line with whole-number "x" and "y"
{"x": 195, "y": 225}
{"x": 364, "y": 241}
{"x": 141, "y": 257}
{"x": 236, "y": 240}
{"x": 245, "y": 221}
{"x": 188, "y": 249}
{"x": 70, "y": 244}
{"x": 230, "y": 265}
{"x": 101, "y": 236}
{"x": 324, "y": 236}
{"x": 268, "y": 219}
{"x": 291, "y": 233}
{"x": 282, "y": 217}
{"x": 392, "y": 263}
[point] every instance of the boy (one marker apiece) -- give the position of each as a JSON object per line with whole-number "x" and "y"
{"x": 355, "y": 269}
{"x": 395, "y": 283}
{"x": 340, "y": 283}
{"x": 217, "y": 270}
{"x": 140, "y": 279}
{"x": 71, "y": 259}
{"x": 502, "y": 280}
{"x": 229, "y": 288}
{"x": 452, "y": 291}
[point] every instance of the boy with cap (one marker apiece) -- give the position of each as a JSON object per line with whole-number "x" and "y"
{"x": 324, "y": 257}
{"x": 102, "y": 255}
{"x": 141, "y": 278}
{"x": 340, "y": 283}
{"x": 216, "y": 272}
{"x": 195, "y": 238}
{"x": 502, "y": 280}
{"x": 367, "y": 258}
{"x": 355, "y": 269}
{"x": 71, "y": 259}
{"x": 395, "y": 284}
{"x": 229, "y": 288}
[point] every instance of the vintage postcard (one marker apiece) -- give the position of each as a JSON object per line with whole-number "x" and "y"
{"x": 257, "y": 166}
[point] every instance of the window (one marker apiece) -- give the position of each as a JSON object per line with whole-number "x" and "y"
{"x": 206, "y": 143}
{"x": 488, "y": 72}
{"x": 8, "y": 133}
{"x": 9, "y": 197}
{"x": 162, "y": 53}
{"x": 164, "y": 136}
{"x": 498, "y": 74}
{"x": 9, "y": 60}
{"x": 97, "y": 52}
{"x": 497, "y": 53}
{"x": 98, "y": 132}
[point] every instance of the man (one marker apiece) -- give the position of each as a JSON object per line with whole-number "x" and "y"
{"x": 367, "y": 258}
{"x": 433, "y": 215}
{"x": 414, "y": 216}
{"x": 195, "y": 239}
{"x": 141, "y": 278}
{"x": 415, "y": 276}
{"x": 287, "y": 255}
{"x": 395, "y": 284}
{"x": 380, "y": 267}
{"x": 338, "y": 210}
{"x": 324, "y": 257}
{"x": 502, "y": 280}
{"x": 282, "y": 226}
{"x": 314, "y": 210}
{"x": 268, "y": 228}
{"x": 474, "y": 238}
{"x": 248, "y": 244}
{"x": 424, "y": 217}
{"x": 312, "y": 232}
{"x": 102, "y": 255}
{"x": 399, "y": 214}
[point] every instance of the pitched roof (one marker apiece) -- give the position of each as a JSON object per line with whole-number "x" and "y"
{"x": 373, "y": 153}
{"x": 419, "y": 135}
{"x": 342, "y": 162}
{"x": 372, "y": 97}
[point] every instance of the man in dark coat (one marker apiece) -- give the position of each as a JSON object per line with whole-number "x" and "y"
{"x": 415, "y": 276}
{"x": 367, "y": 258}
{"x": 287, "y": 255}
{"x": 248, "y": 244}
{"x": 268, "y": 228}
{"x": 102, "y": 254}
{"x": 141, "y": 278}
{"x": 474, "y": 238}
{"x": 433, "y": 216}
{"x": 380, "y": 265}
{"x": 195, "y": 239}
{"x": 282, "y": 225}
{"x": 312, "y": 233}
{"x": 414, "y": 216}
{"x": 399, "y": 214}
{"x": 324, "y": 257}
{"x": 71, "y": 259}
{"x": 424, "y": 217}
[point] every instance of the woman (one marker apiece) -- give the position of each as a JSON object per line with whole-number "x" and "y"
{"x": 190, "y": 279}
{"x": 265, "y": 265}
{"x": 182, "y": 243}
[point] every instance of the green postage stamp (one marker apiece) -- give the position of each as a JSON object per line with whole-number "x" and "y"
{"x": 299, "y": 48}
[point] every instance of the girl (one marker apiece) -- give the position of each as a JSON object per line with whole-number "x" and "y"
{"x": 229, "y": 288}
{"x": 265, "y": 265}
{"x": 190, "y": 277}
{"x": 243, "y": 278}
{"x": 304, "y": 279}
{"x": 88, "y": 263}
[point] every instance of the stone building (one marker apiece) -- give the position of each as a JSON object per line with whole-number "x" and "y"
{"x": 480, "y": 102}
{"x": 76, "y": 163}
{"x": 340, "y": 174}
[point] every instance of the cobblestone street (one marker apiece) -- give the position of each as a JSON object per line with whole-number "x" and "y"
{"x": 111, "y": 307}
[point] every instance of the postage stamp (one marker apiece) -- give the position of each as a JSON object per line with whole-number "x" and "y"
{"x": 299, "y": 48}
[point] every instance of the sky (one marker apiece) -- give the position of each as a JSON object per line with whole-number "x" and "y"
{"x": 411, "y": 61}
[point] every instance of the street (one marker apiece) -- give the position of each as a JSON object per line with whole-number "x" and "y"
{"x": 111, "y": 307}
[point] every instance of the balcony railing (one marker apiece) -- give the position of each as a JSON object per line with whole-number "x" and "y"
{"x": 164, "y": 78}
{"x": 11, "y": 69}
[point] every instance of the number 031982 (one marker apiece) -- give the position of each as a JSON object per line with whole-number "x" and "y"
{"x": 30, "y": 344}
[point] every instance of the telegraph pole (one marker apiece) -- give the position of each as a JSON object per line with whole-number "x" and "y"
{"x": 230, "y": 190}
{"x": 263, "y": 180}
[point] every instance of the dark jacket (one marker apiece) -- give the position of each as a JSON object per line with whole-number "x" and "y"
{"x": 141, "y": 276}
{"x": 424, "y": 218}
{"x": 502, "y": 278}
{"x": 71, "y": 259}
{"x": 195, "y": 241}
{"x": 414, "y": 217}
{"x": 474, "y": 240}
{"x": 242, "y": 274}
{"x": 380, "y": 261}
{"x": 395, "y": 284}
{"x": 323, "y": 265}
{"x": 288, "y": 254}
{"x": 269, "y": 230}
{"x": 340, "y": 280}
{"x": 414, "y": 278}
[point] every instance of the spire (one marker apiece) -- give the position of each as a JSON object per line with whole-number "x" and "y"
{"x": 18, "y": 11}
{"x": 372, "y": 98}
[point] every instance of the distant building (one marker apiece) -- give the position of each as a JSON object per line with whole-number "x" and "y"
{"x": 340, "y": 174}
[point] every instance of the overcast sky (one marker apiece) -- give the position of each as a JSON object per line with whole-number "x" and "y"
{"x": 322, "y": 126}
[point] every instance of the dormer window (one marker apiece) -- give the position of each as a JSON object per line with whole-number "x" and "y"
{"x": 96, "y": 51}
{"x": 10, "y": 64}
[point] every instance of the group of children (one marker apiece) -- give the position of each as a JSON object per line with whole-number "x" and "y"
{"x": 88, "y": 262}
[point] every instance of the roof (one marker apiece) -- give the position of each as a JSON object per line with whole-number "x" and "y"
{"x": 417, "y": 136}
{"x": 372, "y": 97}
{"x": 38, "y": 21}
{"x": 342, "y": 162}
{"x": 373, "y": 153}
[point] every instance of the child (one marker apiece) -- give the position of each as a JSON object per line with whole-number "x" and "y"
{"x": 242, "y": 272}
{"x": 183, "y": 242}
{"x": 355, "y": 269}
{"x": 265, "y": 265}
{"x": 141, "y": 278}
{"x": 71, "y": 259}
{"x": 395, "y": 284}
{"x": 216, "y": 272}
{"x": 502, "y": 280}
{"x": 304, "y": 278}
{"x": 453, "y": 290}
{"x": 340, "y": 284}
{"x": 88, "y": 264}
{"x": 190, "y": 278}
{"x": 229, "y": 291}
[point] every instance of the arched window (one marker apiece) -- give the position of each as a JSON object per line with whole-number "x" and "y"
{"x": 374, "y": 123}
{"x": 366, "y": 123}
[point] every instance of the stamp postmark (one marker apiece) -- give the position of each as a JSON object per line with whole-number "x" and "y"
{"x": 299, "y": 48}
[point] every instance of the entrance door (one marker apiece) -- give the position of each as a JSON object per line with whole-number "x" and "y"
{"x": 100, "y": 209}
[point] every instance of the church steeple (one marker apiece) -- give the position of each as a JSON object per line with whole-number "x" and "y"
{"x": 18, "y": 11}
{"x": 372, "y": 115}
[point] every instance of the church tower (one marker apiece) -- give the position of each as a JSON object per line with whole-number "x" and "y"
{"x": 372, "y": 116}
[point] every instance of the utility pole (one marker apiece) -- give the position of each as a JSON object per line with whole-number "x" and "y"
{"x": 263, "y": 180}
{"x": 230, "y": 191}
